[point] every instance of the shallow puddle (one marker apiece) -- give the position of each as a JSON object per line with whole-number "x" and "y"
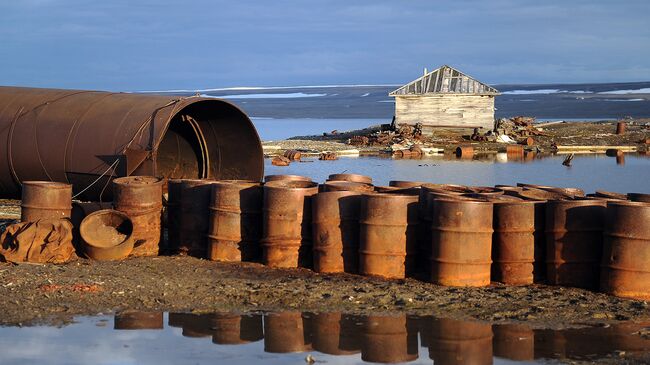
{"x": 294, "y": 337}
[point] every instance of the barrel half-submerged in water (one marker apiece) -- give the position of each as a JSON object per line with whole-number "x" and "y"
{"x": 336, "y": 231}
{"x": 574, "y": 242}
{"x": 625, "y": 271}
{"x": 461, "y": 242}
{"x": 45, "y": 200}
{"x": 388, "y": 231}
{"x": 140, "y": 197}
{"x": 287, "y": 234}
{"x": 235, "y": 221}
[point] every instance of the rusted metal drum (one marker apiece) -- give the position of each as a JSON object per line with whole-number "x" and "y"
{"x": 336, "y": 231}
{"x": 539, "y": 266}
{"x": 287, "y": 236}
{"x": 107, "y": 235}
{"x": 173, "y": 204}
{"x": 345, "y": 186}
{"x": 81, "y": 210}
{"x": 45, "y": 200}
{"x": 386, "y": 339}
{"x": 461, "y": 242}
{"x": 513, "y": 246}
{"x": 235, "y": 221}
{"x": 293, "y": 155}
{"x": 638, "y": 197}
{"x": 514, "y": 342}
{"x": 284, "y": 333}
{"x": 405, "y": 184}
{"x": 328, "y": 334}
{"x": 460, "y": 342}
{"x": 269, "y": 178}
{"x": 626, "y": 254}
{"x": 195, "y": 217}
{"x": 609, "y": 195}
{"x": 542, "y": 195}
{"x": 464, "y": 151}
{"x": 620, "y": 127}
{"x": 388, "y": 235}
{"x": 351, "y": 177}
{"x": 235, "y": 329}
{"x": 138, "y": 321}
{"x": 574, "y": 242}
{"x": 140, "y": 197}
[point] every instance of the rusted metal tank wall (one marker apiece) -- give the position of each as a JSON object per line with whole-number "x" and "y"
{"x": 78, "y": 136}
{"x": 43, "y": 200}
{"x": 626, "y": 253}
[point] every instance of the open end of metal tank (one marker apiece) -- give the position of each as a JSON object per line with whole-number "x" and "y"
{"x": 210, "y": 139}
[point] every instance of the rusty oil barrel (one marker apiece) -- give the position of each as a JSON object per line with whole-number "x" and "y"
{"x": 287, "y": 236}
{"x": 638, "y": 197}
{"x": 328, "y": 336}
{"x": 464, "y": 151}
{"x": 235, "y": 221}
{"x": 608, "y": 195}
{"x": 620, "y": 127}
{"x": 292, "y": 155}
{"x": 194, "y": 217}
{"x": 140, "y": 197}
{"x": 107, "y": 235}
{"x": 513, "y": 242}
{"x": 45, "y": 200}
{"x": 626, "y": 252}
{"x": 388, "y": 227}
{"x": 173, "y": 205}
{"x": 345, "y": 186}
{"x": 351, "y": 177}
{"x": 131, "y": 320}
{"x": 335, "y": 218}
{"x": 405, "y": 184}
{"x": 284, "y": 333}
{"x": 461, "y": 242}
{"x": 574, "y": 242}
{"x": 514, "y": 342}
{"x": 386, "y": 339}
{"x": 460, "y": 342}
{"x": 269, "y": 178}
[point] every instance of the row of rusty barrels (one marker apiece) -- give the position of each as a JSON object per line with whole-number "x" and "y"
{"x": 391, "y": 339}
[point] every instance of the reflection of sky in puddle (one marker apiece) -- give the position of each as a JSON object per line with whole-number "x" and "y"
{"x": 589, "y": 172}
{"x": 281, "y": 338}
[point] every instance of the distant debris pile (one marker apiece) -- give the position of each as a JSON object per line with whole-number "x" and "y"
{"x": 403, "y": 135}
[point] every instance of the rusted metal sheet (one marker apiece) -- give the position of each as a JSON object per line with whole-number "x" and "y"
{"x": 269, "y": 178}
{"x": 351, "y": 177}
{"x": 330, "y": 335}
{"x": 336, "y": 231}
{"x": 45, "y": 200}
{"x": 387, "y": 339}
{"x": 625, "y": 271}
{"x": 138, "y": 321}
{"x": 285, "y": 332}
{"x": 86, "y": 138}
{"x": 514, "y": 342}
{"x": 513, "y": 245}
{"x": 388, "y": 235}
{"x": 140, "y": 197}
{"x": 461, "y": 242}
{"x": 460, "y": 342}
{"x": 194, "y": 217}
{"x": 235, "y": 221}
{"x": 107, "y": 235}
{"x": 287, "y": 234}
{"x": 574, "y": 242}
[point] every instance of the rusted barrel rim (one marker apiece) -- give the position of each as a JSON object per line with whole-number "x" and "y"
{"x": 241, "y": 183}
{"x": 48, "y": 184}
{"x": 405, "y": 184}
{"x": 350, "y": 177}
{"x": 88, "y": 218}
{"x": 269, "y": 178}
{"x": 576, "y": 202}
{"x": 468, "y": 201}
{"x": 392, "y": 196}
{"x": 286, "y": 185}
{"x": 137, "y": 181}
{"x": 627, "y": 203}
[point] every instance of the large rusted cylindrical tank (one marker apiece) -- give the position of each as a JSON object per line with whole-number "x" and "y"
{"x": 626, "y": 254}
{"x": 388, "y": 225}
{"x": 386, "y": 339}
{"x": 87, "y": 137}
{"x": 235, "y": 221}
{"x": 194, "y": 217}
{"x": 461, "y": 242}
{"x": 514, "y": 342}
{"x": 351, "y": 177}
{"x": 335, "y": 220}
{"x": 287, "y": 234}
{"x": 329, "y": 335}
{"x": 285, "y": 332}
{"x": 460, "y": 342}
{"x": 140, "y": 197}
{"x": 574, "y": 242}
{"x": 45, "y": 200}
{"x": 513, "y": 245}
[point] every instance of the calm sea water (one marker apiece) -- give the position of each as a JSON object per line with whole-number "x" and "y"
{"x": 289, "y": 338}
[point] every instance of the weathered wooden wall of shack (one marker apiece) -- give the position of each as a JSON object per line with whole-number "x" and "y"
{"x": 445, "y": 110}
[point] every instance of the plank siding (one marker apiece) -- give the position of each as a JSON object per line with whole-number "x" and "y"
{"x": 451, "y": 110}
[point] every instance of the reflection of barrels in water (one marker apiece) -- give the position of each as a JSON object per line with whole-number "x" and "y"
{"x": 460, "y": 342}
{"x": 44, "y": 200}
{"x": 287, "y": 237}
{"x": 194, "y": 325}
{"x": 386, "y": 339}
{"x": 513, "y": 242}
{"x": 550, "y": 344}
{"x": 284, "y": 333}
{"x": 234, "y": 329}
{"x": 625, "y": 271}
{"x": 574, "y": 231}
{"x": 336, "y": 231}
{"x": 328, "y": 334}
{"x": 139, "y": 321}
{"x": 514, "y": 342}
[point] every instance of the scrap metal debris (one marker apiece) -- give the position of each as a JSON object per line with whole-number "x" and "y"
{"x": 328, "y": 156}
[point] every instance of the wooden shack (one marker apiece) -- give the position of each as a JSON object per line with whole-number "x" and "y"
{"x": 445, "y": 97}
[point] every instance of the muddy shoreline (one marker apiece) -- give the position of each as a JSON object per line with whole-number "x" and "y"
{"x": 53, "y": 294}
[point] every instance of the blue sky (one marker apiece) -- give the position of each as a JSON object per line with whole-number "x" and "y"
{"x": 162, "y": 44}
